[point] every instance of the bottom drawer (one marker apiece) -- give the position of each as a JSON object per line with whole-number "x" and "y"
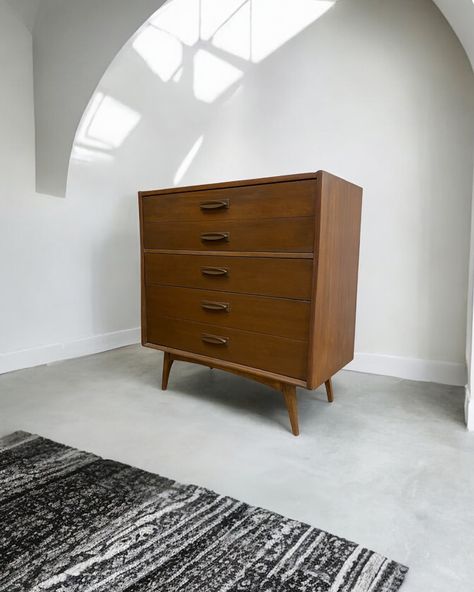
{"x": 287, "y": 357}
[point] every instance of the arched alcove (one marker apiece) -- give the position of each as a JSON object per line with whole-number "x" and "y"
{"x": 382, "y": 95}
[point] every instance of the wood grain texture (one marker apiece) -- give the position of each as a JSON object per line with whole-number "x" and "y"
{"x": 143, "y": 297}
{"x": 274, "y": 316}
{"x": 266, "y": 352}
{"x": 266, "y": 234}
{"x": 230, "y": 184}
{"x": 260, "y": 254}
{"x": 272, "y": 200}
{"x": 273, "y": 298}
{"x": 329, "y": 391}
{"x": 289, "y": 395}
{"x": 338, "y": 215}
{"x": 263, "y": 376}
{"x": 281, "y": 278}
{"x": 167, "y": 363}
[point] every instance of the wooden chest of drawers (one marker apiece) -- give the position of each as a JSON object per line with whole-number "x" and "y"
{"x": 255, "y": 277}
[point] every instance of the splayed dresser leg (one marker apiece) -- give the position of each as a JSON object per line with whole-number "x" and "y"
{"x": 167, "y": 363}
{"x": 289, "y": 394}
{"x": 329, "y": 391}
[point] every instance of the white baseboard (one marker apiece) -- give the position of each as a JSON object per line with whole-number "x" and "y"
{"x": 410, "y": 368}
{"x": 469, "y": 410}
{"x": 63, "y": 351}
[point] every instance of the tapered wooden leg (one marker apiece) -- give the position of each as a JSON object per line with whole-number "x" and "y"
{"x": 167, "y": 363}
{"x": 329, "y": 393}
{"x": 289, "y": 394}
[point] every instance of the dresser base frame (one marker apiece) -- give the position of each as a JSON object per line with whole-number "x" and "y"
{"x": 288, "y": 390}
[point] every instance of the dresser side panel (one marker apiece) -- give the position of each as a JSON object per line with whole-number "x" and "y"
{"x": 337, "y": 237}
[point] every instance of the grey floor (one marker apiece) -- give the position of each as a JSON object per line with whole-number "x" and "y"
{"x": 388, "y": 464}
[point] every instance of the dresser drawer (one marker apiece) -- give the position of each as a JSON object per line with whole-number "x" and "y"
{"x": 274, "y": 316}
{"x": 279, "y": 277}
{"x": 294, "y": 198}
{"x": 283, "y": 356}
{"x": 277, "y": 235}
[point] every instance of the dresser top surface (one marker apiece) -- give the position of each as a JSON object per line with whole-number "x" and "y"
{"x": 229, "y": 184}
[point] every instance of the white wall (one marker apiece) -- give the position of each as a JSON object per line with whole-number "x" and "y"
{"x": 50, "y": 249}
{"x": 378, "y": 92}
{"x": 74, "y": 42}
{"x": 460, "y": 15}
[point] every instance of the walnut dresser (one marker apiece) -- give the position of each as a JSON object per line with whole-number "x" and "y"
{"x": 256, "y": 277}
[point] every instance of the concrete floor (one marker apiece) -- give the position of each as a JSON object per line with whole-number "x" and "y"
{"x": 389, "y": 464}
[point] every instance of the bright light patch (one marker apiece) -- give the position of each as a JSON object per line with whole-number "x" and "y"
{"x": 187, "y": 161}
{"x": 86, "y": 155}
{"x": 233, "y": 36}
{"x": 215, "y": 13}
{"x": 212, "y": 76}
{"x": 274, "y": 22}
{"x": 106, "y": 123}
{"x": 180, "y": 18}
{"x": 112, "y": 123}
{"x": 161, "y": 51}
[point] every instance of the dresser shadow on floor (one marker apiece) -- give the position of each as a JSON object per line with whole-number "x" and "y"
{"x": 236, "y": 393}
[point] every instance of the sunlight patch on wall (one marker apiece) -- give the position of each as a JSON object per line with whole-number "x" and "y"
{"x": 234, "y": 35}
{"x": 212, "y": 76}
{"x": 107, "y": 123}
{"x": 83, "y": 154}
{"x": 216, "y": 13}
{"x": 187, "y": 161}
{"x": 105, "y": 126}
{"x": 225, "y": 38}
{"x": 179, "y": 18}
{"x": 274, "y": 22}
{"x": 161, "y": 51}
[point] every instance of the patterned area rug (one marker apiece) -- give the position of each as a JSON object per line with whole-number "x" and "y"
{"x": 73, "y": 522}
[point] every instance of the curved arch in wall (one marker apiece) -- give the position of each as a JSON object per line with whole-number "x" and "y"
{"x": 381, "y": 94}
{"x": 75, "y": 43}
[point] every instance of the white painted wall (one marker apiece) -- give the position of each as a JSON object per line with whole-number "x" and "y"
{"x": 380, "y": 93}
{"x": 51, "y": 250}
{"x": 460, "y": 15}
{"x": 469, "y": 400}
{"x": 74, "y": 42}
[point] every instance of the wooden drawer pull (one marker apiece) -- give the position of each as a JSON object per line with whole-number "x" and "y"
{"x": 214, "y": 339}
{"x": 215, "y": 204}
{"x": 215, "y": 236}
{"x": 218, "y": 306}
{"x": 214, "y": 271}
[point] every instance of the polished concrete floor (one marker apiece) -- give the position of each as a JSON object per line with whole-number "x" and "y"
{"x": 389, "y": 464}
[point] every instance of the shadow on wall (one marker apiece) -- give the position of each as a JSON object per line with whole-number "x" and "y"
{"x": 200, "y": 52}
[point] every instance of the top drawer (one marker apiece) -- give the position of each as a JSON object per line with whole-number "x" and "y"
{"x": 273, "y": 200}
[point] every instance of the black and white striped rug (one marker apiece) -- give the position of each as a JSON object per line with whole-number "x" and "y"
{"x": 73, "y": 522}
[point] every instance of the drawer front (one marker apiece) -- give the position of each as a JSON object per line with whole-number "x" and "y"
{"x": 294, "y": 198}
{"x": 279, "y": 277}
{"x": 277, "y": 235}
{"x": 274, "y": 316}
{"x": 287, "y": 357}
